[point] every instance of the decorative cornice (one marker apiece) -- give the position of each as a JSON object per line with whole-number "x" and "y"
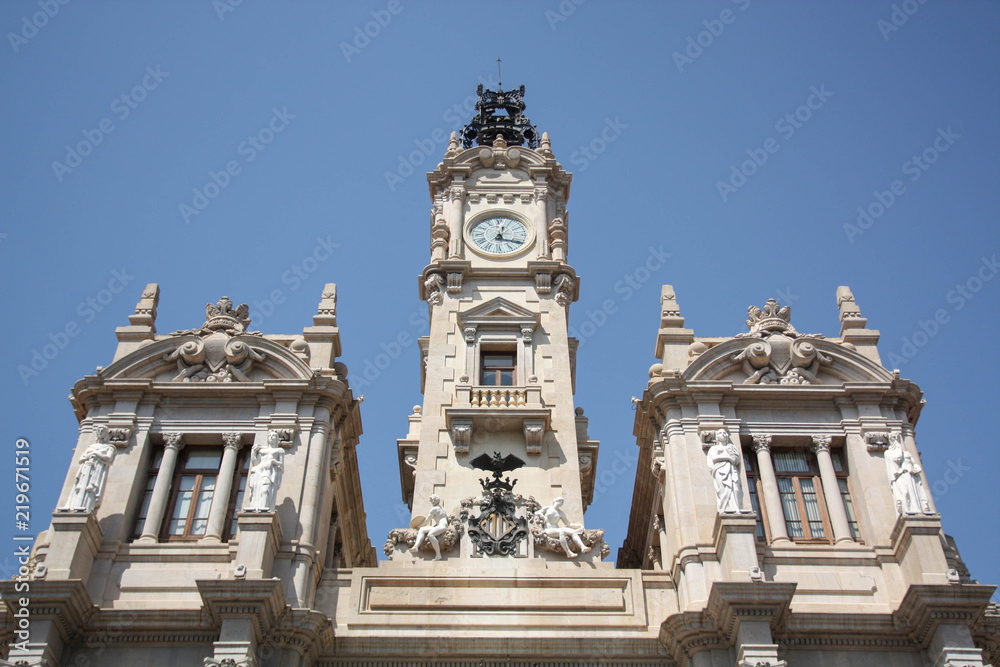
{"x": 66, "y": 602}
{"x": 926, "y": 606}
{"x": 261, "y": 601}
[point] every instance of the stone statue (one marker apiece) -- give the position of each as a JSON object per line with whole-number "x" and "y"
{"x": 267, "y": 463}
{"x": 552, "y": 515}
{"x": 904, "y": 476}
{"x": 92, "y": 476}
{"x": 724, "y": 461}
{"x": 433, "y": 527}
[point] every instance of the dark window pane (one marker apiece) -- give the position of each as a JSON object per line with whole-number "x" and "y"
{"x": 785, "y": 461}
{"x": 203, "y": 459}
{"x": 494, "y": 360}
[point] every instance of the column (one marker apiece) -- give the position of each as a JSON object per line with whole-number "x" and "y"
{"x": 172, "y": 445}
{"x": 317, "y": 480}
{"x": 769, "y": 488}
{"x": 542, "y": 221}
{"x": 223, "y": 487}
{"x": 456, "y": 219}
{"x": 831, "y": 489}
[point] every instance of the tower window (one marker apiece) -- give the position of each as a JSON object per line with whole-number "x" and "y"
{"x": 194, "y": 486}
{"x": 803, "y": 504}
{"x": 499, "y": 369}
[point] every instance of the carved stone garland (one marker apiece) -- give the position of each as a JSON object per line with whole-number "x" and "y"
{"x": 446, "y": 542}
{"x": 590, "y": 537}
{"x": 228, "y": 662}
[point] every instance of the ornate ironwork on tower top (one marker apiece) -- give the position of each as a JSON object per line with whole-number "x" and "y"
{"x": 500, "y": 113}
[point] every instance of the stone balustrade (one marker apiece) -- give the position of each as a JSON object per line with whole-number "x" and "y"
{"x": 500, "y": 397}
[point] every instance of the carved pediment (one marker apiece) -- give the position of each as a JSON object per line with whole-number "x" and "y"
{"x": 240, "y": 358}
{"x": 773, "y": 352}
{"x": 498, "y": 312}
{"x": 777, "y": 358}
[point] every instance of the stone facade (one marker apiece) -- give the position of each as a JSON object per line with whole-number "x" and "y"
{"x": 212, "y": 512}
{"x": 779, "y": 489}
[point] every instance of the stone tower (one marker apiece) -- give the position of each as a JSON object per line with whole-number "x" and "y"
{"x": 498, "y": 365}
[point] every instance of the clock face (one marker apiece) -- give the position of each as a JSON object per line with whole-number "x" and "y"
{"x": 499, "y": 235}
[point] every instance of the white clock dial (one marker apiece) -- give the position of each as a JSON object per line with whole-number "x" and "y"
{"x": 499, "y": 235}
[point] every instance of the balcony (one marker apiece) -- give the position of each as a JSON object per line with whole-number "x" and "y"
{"x": 499, "y": 397}
{"x": 498, "y": 409}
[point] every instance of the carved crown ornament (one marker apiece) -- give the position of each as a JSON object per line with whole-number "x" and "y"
{"x": 781, "y": 355}
{"x": 217, "y": 354}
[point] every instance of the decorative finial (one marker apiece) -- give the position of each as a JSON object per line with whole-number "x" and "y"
{"x": 771, "y": 318}
{"x": 326, "y": 312}
{"x": 546, "y": 146}
{"x": 499, "y": 78}
{"x": 487, "y": 124}
{"x": 850, "y": 313}
{"x": 222, "y": 315}
{"x": 452, "y": 144}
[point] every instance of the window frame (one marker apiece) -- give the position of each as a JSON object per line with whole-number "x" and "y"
{"x": 180, "y": 471}
{"x": 757, "y": 496}
{"x": 497, "y": 369}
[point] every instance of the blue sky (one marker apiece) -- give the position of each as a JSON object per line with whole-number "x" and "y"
{"x": 740, "y": 137}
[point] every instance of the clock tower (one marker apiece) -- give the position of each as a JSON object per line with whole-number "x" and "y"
{"x": 497, "y": 371}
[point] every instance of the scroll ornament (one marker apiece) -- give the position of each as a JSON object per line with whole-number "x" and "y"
{"x": 781, "y": 355}
{"x": 216, "y": 354}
